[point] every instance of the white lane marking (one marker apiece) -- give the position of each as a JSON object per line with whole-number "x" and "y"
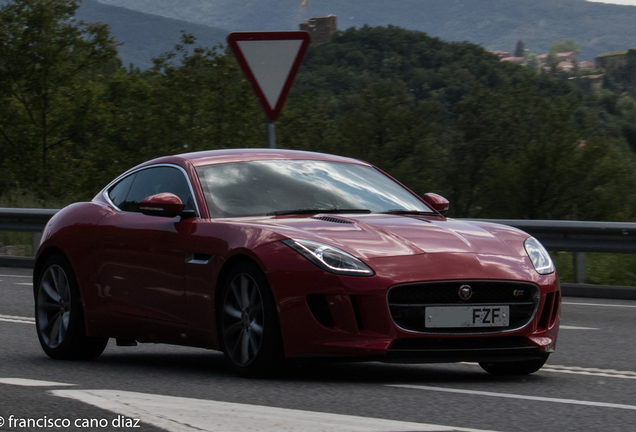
{"x": 31, "y": 383}
{"x": 23, "y": 283}
{"x": 591, "y": 369}
{"x": 598, "y": 304}
{"x": 18, "y": 276}
{"x": 17, "y": 319}
{"x": 565, "y": 327}
{"x": 179, "y": 414}
{"x": 516, "y": 396}
{"x": 577, "y": 370}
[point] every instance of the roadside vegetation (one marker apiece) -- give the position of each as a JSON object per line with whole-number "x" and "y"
{"x": 498, "y": 140}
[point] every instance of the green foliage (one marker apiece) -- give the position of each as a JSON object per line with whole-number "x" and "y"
{"x": 612, "y": 53}
{"x": 520, "y": 49}
{"x": 72, "y": 118}
{"x": 601, "y": 268}
{"x": 49, "y": 64}
{"x": 562, "y": 46}
{"x": 532, "y": 60}
{"x": 451, "y": 118}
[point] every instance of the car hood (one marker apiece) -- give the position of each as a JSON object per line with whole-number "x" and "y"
{"x": 377, "y": 235}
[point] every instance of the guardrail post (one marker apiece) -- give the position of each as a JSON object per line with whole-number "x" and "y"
{"x": 35, "y": 242}
{"x": 579, "y": 267}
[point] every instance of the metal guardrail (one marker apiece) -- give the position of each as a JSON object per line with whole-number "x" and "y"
{"x": 572, "y": 236}
{"x": 578, "y": 236}
{"x": 29, "y": 220}
{"x": 24, "y": 220}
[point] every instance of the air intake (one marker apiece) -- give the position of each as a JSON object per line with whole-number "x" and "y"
{"x": 320, "y": 309}
{"x": 332, "y": 219}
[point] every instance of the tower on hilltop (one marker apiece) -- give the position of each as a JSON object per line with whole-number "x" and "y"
{"x": 320, "y": 28}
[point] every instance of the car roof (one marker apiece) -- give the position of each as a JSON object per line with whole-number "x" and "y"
{"x": 255, "y": 154}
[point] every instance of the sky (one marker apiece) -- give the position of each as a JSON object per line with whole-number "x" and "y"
{"x": 619, "y": 2}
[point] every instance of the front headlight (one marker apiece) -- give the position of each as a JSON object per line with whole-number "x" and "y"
{"x": 330, "y": 258}
{"x": 539, "y": 256}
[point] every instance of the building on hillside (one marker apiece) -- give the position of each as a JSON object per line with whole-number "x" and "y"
{"x": 614, "y": 58}
{"x": 566, "y": 57}
{"x": 320, "y": 28}
{"x": 586, "y": 64}
{"x": 560, "y": 57}
{"x": 517, "y": 60}
{"x": 500, "y": 54}
{"x": 567, "y": 66}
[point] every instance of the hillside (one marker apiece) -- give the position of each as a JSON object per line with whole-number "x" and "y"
{"x": 145, "y": 36}
{"x": 495, "y": 24}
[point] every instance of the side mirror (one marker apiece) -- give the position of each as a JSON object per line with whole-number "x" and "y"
{"x": 164, "y": 204}
{"x": 438, "y": 202}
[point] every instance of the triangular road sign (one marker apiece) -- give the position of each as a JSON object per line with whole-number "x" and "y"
{"x": 270, "y": 61}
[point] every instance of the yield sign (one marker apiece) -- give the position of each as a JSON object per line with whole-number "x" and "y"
{"x": 270, "y": 61}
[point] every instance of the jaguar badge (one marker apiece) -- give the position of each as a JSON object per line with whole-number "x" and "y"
{"x": 465, "y": 292}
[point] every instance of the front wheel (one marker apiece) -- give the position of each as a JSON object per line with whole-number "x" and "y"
{"x": 524, "y": 367}
{"x": 59, "y": 316}
{"x": 249, "y": 329}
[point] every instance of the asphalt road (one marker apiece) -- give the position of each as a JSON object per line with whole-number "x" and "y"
{"x": 589, "y": 384}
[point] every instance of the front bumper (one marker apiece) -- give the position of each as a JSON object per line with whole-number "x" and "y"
{"x": 360, "y": 325}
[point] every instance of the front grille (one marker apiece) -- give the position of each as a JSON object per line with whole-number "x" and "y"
{"x": 407, "y": 303}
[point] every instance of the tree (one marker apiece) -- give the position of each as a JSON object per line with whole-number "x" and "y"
{"x": 567, "y": 45}
{"x": 48, "y": 66}
{"x": 520, "y": 49}
{"x": 202, "y": 101}
{"x": 532, "y": 60}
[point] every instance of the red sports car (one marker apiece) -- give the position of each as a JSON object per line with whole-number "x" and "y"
{"x": 273, "y": 254}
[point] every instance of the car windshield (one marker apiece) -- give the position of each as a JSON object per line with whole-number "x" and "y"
{"x": 297, "y": 186}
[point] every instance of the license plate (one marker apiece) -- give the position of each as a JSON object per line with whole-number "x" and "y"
{"x": 467, "y": 316}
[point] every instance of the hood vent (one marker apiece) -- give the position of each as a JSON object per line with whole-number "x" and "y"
{"x": 331, "y": 219}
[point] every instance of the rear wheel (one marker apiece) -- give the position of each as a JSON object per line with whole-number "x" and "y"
{"x": 525, "y": 367}
{"x": 59, "y": 316}
{"x": 249, "y": 329}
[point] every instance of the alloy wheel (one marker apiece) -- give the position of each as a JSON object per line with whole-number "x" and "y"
{"x": 243, "y": 319}
{"x": 53, "y": 306}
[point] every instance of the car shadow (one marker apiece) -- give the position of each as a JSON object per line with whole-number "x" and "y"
{"x": 201, "y": 364}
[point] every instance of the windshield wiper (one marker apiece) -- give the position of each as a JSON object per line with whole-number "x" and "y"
{"x": 407, "y": 212}
{"x": 310, "y": 211}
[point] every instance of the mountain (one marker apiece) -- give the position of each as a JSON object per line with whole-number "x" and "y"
{"x": 495, "y": 24}
{"x": 143, "y": 35}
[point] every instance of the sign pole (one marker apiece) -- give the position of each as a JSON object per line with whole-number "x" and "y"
{"x": 271, "y": 133}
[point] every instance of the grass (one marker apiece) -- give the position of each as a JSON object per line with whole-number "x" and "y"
{"x": 612, "y": 53}
{"x": 19, "y": 243}
{"x": 601, "y": 268}
{"x": 15, "y": 243}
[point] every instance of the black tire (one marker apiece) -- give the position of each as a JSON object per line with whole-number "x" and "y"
{"x": 249, "y": 330}
{"x": 59, "y": 315}
{"x": 514, "y": 368}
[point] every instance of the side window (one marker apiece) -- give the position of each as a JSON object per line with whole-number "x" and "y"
{"x": 152, "y": 181}
{"x": 118, "y": 193}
